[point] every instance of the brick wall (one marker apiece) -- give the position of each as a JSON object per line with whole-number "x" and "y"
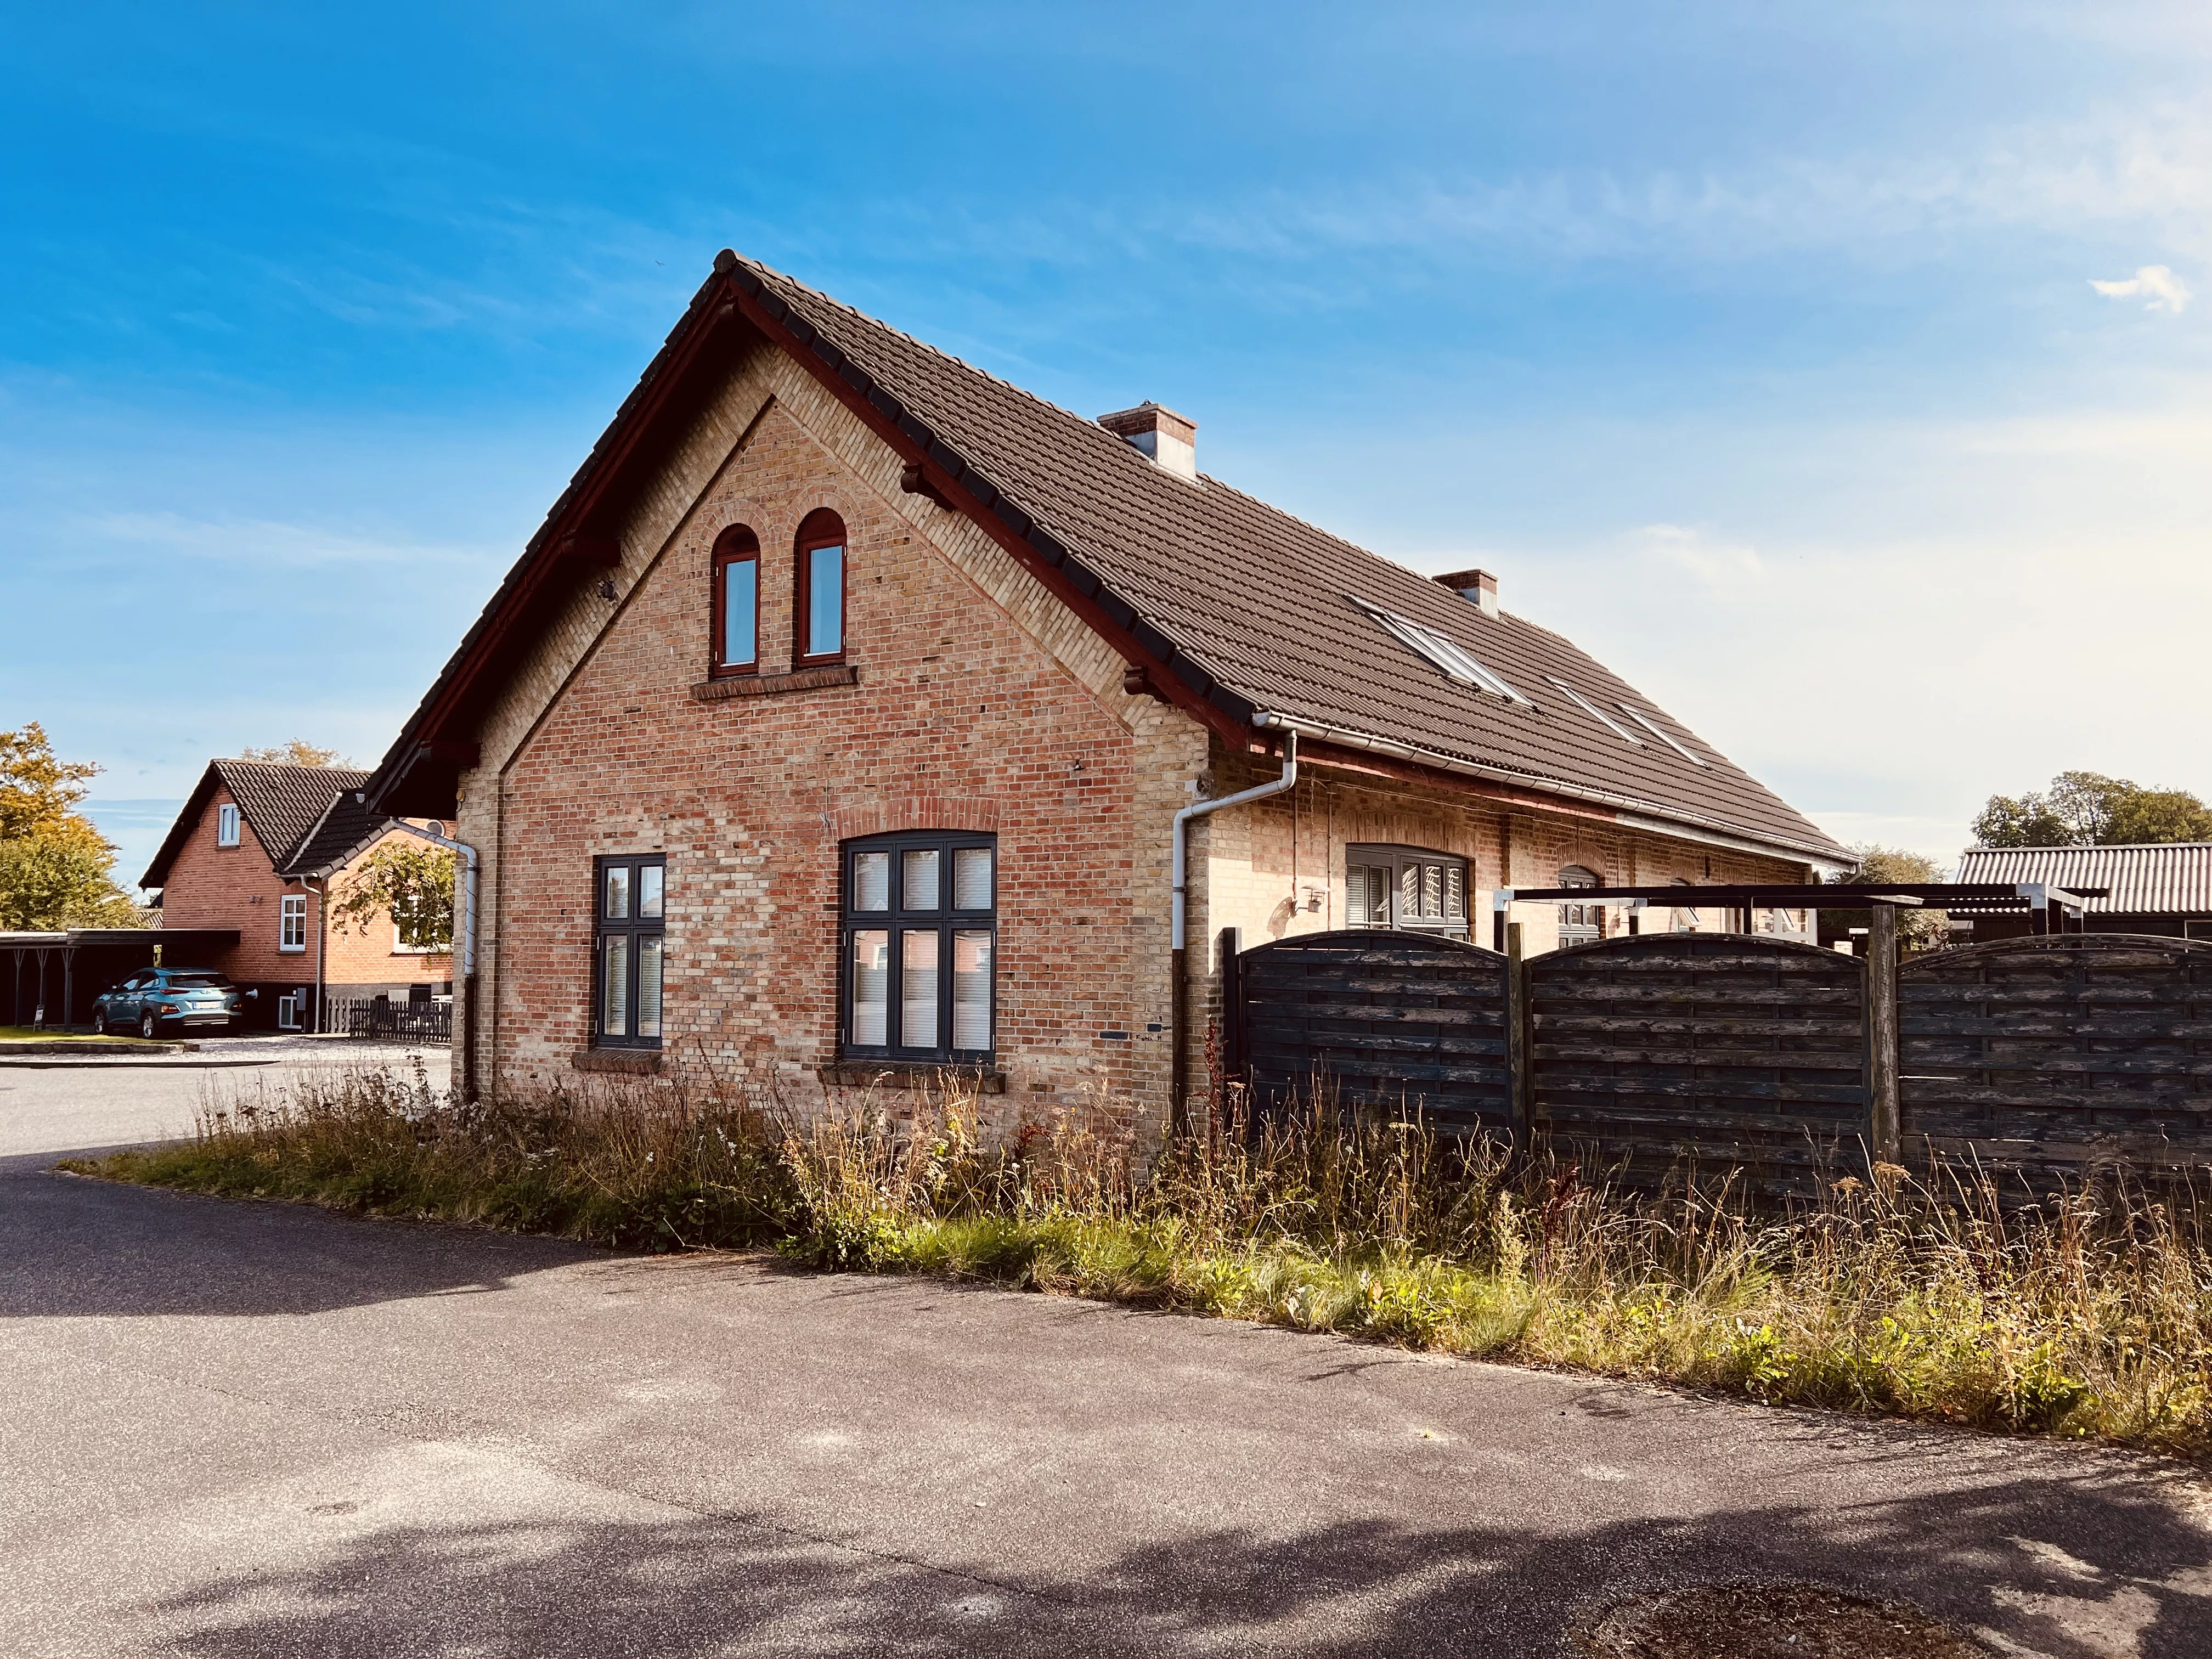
{"x": 212, "y": 886}
{"x": 980, "y": 703}
{"x": 361, "y": 962}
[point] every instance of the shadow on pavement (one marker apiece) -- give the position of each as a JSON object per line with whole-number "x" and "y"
{"x": 2084, "y": 1568}
{"x": 72, "y": 1246}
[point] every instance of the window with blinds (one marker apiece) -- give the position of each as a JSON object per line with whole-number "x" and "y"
{"x": 1406, "y": 887}
{"x": 920, "y": 927}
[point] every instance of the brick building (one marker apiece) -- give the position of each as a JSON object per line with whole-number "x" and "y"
{"x": 836, "y": 725}
{"x": 258, "y": 847}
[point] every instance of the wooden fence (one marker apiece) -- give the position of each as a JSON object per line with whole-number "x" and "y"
{"x": 1721, "y": 1049}
{"x": 2041, "y": 1057}
{"x": 2049, "y": 1055}
{"x": 1387, "y": 1021}
{"x": 409, "y": 1022}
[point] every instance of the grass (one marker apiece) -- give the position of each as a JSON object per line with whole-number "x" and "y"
{"x": 31, "y": 1034}
{"x": 2087, "y": 1315}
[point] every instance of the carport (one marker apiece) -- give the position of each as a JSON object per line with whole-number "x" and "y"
{"x": 53, "y": 978}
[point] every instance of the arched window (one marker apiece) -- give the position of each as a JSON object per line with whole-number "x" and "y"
{"x": 1580, "y": 924}
{"x": 818, "y": 606}
{"x": 1686, "y": 916}
{"x": 736, "y": 603}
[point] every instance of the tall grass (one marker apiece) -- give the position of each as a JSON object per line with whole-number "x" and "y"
{"x": 2089, "y": 1314}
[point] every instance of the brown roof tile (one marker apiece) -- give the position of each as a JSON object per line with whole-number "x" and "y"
{"x": 1267, "y": 608}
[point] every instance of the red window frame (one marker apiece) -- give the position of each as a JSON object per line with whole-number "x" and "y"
{"x": 736, "y": 545}
{"x": 822, "y": 528}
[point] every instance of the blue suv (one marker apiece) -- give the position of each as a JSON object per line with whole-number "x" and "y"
{"x": 154, "y": 998}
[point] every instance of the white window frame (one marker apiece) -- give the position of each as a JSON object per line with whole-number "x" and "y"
{"x": 288, "y": 1012}
{"x": 292, "y": 907}
{"x": 1648, "y": 724}
{"x": 401, "y": 948}
{"x": 1596, "y": 713}
{"x": 1455, "y": 661}
{"x": 226, "y": 824}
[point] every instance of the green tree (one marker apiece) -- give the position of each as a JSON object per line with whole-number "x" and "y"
{"x": 2088, "y": 809}
{"x": 1917, "y": 928}
{"x": 296, "y": 752}
{"x": 413, "y": 884}
{"x": 56, "y": 869}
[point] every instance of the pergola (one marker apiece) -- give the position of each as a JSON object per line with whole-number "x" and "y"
{"x": 2053, "y": 910}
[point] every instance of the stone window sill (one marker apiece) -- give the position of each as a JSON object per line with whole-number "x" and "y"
{"x": 907, "y": 1074}
{"x": 625, "y": 1062}
{"x": 769, "y": 685}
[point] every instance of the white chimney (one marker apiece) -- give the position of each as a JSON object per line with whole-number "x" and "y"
{"x": 1169, "y": 440}
{"x": 1477, "y": 587}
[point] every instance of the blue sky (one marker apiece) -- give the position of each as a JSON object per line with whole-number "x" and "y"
{"x": 1757, "y": 347}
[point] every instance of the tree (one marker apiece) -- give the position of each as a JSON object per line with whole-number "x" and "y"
{"x": 1917, "y": 928}
{"x": 412, "y": 885}
{"x": 55, "y": 866}
{"x": 2088, "y": 809}
{"x": 297, "y": 752}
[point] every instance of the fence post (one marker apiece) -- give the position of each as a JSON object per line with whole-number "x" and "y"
{"x": 1516, "y": 1033}
{"x": 1232, "y": 1017}
{"x": 1881, "y": 1033}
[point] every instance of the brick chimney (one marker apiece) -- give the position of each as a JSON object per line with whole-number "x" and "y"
{"x": 1477, "y": 587}
{"x": 1165, "y": 435}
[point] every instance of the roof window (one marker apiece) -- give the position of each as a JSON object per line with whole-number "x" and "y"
{"x": 1647, "y": 725}
{"x": 1448, "y": 655}
{"x": 1595, "y": 713}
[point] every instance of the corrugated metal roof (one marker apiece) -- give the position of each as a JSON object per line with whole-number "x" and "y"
{"x": 2175, "y": 879}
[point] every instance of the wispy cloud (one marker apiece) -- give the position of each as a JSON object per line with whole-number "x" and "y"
{"x": 1721, "y": 565}
{"x": 273, "y": 544}
{"x": 2161, "y": 289}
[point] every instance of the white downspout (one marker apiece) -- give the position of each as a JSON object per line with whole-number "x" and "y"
{"x": 465, "y": 932}
{"x": 1177, "y": 928}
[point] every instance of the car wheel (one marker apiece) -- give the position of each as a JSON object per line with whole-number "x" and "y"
{"x": 148, "y": 1027}
{"x": 99, "y": 1022}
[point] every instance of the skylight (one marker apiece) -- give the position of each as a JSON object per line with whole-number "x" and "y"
{"x": 1597, "y": 713}
{"x": 1661, "y": 736}
{"x": 1448, "y": 655}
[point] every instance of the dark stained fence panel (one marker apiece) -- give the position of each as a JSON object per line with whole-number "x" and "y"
{"x": 1653, "y": 1054}
{"x": 2052, "y": 1055}
{"x": 1380, "y": 1021}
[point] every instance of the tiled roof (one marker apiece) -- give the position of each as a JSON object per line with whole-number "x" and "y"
{"x": 1268, "y": 607}
{"x": 2175, "y": 879}
{"x": 282, "y": 802}
{"x": 344, "y": 828}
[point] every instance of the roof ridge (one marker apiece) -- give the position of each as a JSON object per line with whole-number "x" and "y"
{"x": 854, "y": 311}
{"x": 2095, "y": 847}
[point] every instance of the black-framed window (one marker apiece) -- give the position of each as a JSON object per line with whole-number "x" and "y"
{"x": 919, "y": 942}
{"x": 818, "y": 602}
{"x": 735, "y": 602}
{"x": 629, "y": 907}
{"x": 1407, "y": 887}
{"x": 1580, "y": 924}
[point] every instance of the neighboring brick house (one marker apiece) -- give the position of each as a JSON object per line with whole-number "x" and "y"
{"x": 257, "y": 848}
{"x": 835, "y": 725}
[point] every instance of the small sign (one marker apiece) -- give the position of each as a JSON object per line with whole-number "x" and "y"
{"x": 157, "y": 955}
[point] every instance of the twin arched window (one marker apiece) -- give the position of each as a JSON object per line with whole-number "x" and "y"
{"x": 817, "y": 608}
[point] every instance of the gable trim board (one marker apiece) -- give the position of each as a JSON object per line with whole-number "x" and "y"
{"x": 743, "y": 304}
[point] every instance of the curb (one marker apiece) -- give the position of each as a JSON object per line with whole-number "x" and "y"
{"x": 12, "y": 1062}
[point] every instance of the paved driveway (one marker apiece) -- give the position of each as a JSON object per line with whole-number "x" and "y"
{"x": 233, "y": 1428}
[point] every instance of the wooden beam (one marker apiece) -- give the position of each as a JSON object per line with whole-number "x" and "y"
{"x": 1881, "y": 1033}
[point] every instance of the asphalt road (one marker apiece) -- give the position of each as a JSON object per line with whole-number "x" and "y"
{"x": 242, "y": 1429}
